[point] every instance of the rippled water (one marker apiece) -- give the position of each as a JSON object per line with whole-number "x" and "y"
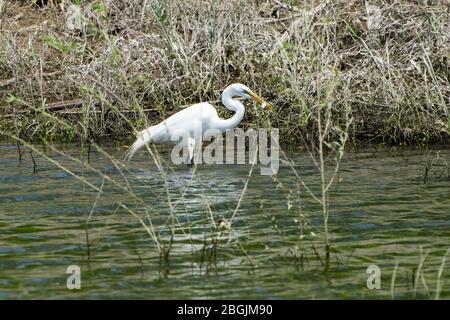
{"x": 381, "y": 213}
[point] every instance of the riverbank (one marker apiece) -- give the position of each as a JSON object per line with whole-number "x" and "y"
{"x": 97, "y": 69}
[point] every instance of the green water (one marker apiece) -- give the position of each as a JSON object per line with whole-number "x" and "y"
{"x": 381, "y": 213}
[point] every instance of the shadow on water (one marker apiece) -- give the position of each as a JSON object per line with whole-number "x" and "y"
{"x": 271, "y": 246}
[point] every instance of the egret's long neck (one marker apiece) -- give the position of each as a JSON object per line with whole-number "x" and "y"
{"x": 233, "y": 105}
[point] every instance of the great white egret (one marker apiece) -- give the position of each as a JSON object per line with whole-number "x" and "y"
{"x": 199, "y": 117}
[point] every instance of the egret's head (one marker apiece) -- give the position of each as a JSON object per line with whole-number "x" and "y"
{"x": 240, "y": 90}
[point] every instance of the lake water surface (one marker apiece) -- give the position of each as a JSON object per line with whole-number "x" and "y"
{"x": 381, "y": 213}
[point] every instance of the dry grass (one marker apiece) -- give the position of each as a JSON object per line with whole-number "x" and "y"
{"x": 127, "y": 63}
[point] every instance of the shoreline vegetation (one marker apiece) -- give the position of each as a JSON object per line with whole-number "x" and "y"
{"x": 73, "y": 71}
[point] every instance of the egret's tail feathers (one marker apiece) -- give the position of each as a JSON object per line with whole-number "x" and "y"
{"x": 139, "y": 143}
{"x": 143, "y": 137}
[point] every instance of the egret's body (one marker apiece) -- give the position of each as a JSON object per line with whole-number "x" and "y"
{"x": 200, "y": 117}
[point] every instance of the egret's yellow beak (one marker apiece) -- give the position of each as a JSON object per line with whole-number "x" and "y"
{"x": 259, "y": 100}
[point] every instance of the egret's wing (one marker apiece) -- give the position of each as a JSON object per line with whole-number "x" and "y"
{"x": 187, "y": 121}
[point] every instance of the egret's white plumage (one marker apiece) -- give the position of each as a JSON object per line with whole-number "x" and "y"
{"x": 200, "y": 117}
